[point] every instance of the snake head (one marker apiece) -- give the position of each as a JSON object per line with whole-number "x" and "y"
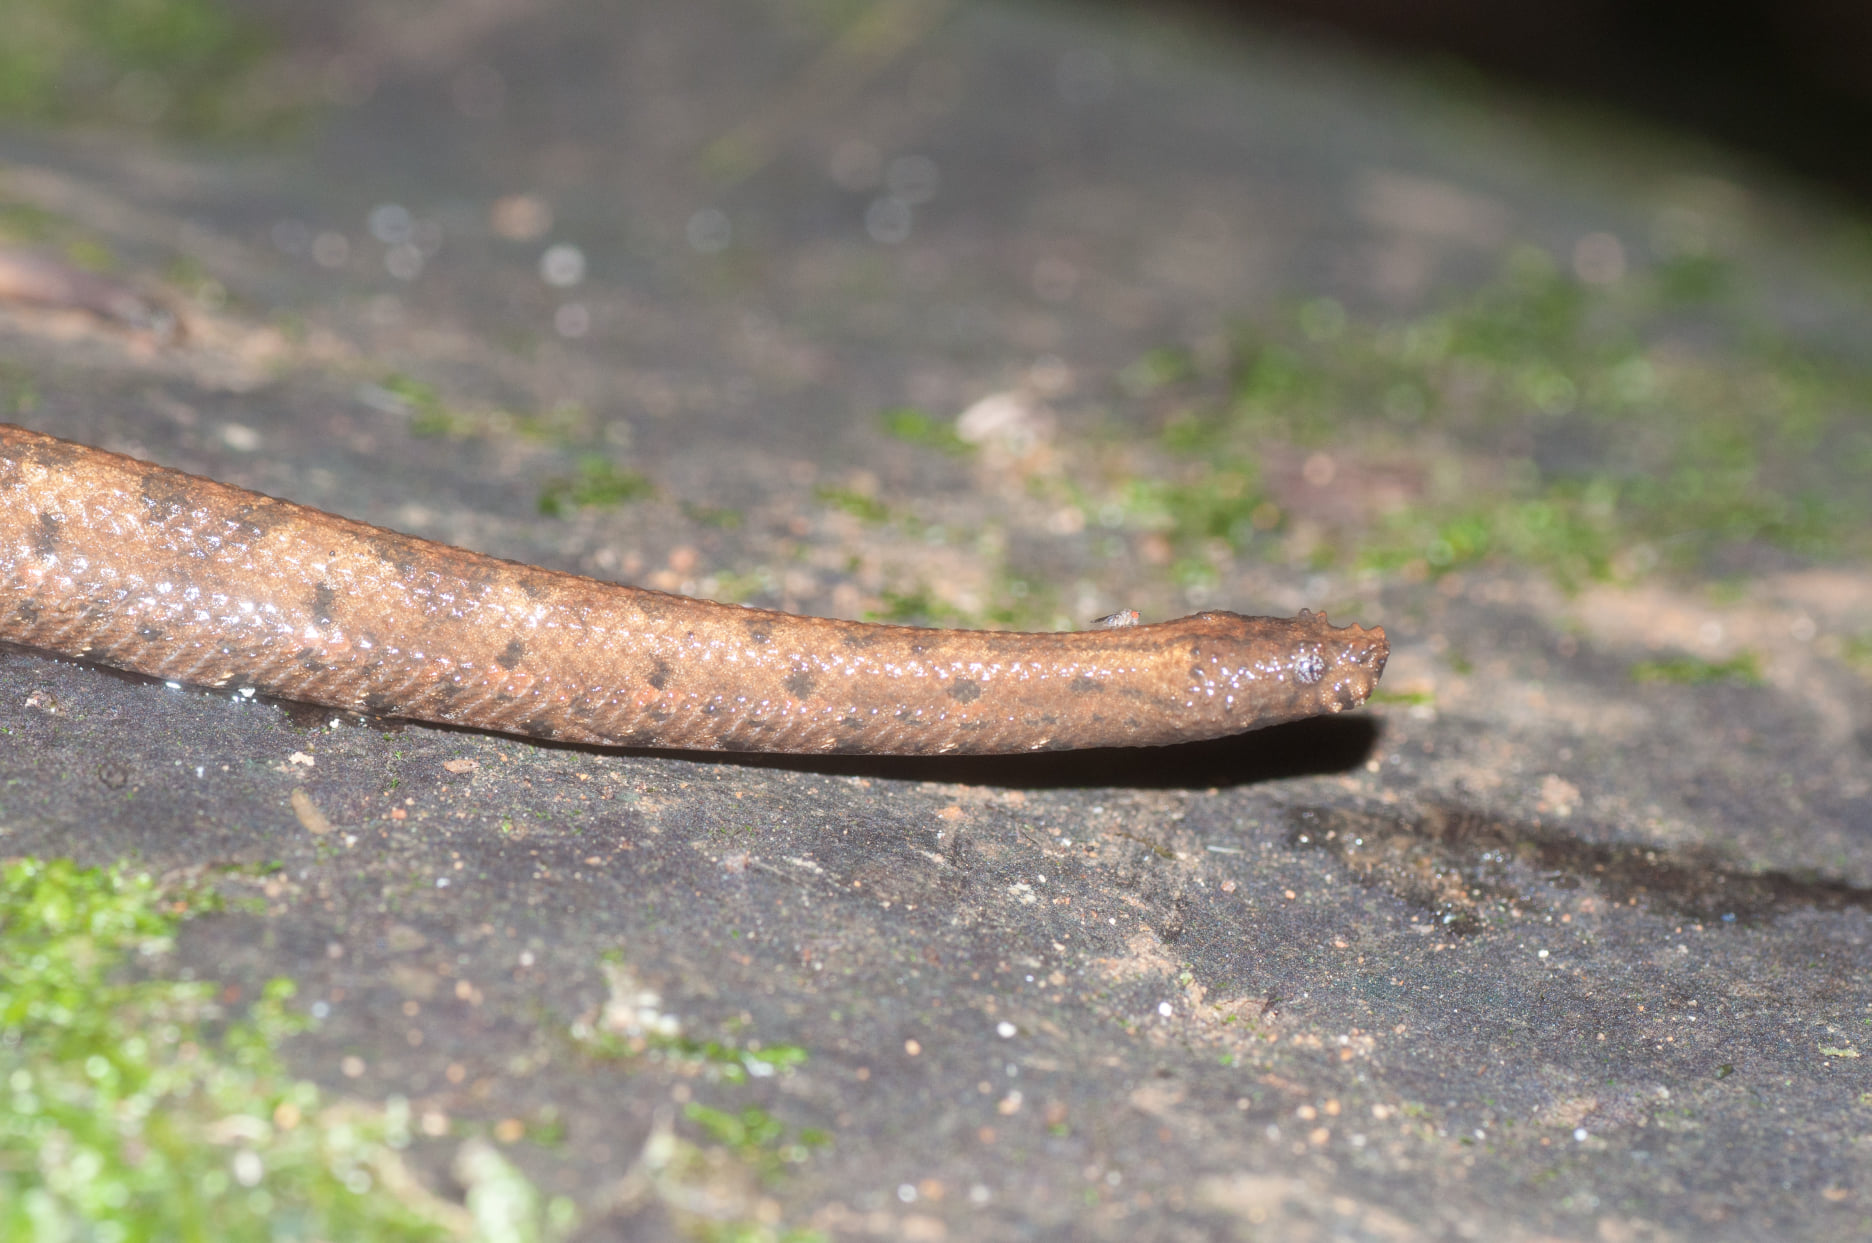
{"x": 1280, "y": 668}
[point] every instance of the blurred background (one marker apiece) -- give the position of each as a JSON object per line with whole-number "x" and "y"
{"x": 1789, "y": 82}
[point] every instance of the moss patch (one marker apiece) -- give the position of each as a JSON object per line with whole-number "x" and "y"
{"x": 1689, "y": 671}
{"x": 860, "y": 505}
{"x": 1017, "y": 604}
{"x": 1592, "y": 431}
{"x": 143, "y": 1108}
{"x": 187, "y": 66}
{"x": 711, "y": 1182}
{"x": 919, "y": 427}
{"x": 598, "y": 483}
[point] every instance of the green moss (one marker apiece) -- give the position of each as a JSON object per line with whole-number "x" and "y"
{"x": 1593, "y": 432}
{"x": 1018, "y": 604}
{"x": 22, "y": 222}
{"x": 19, "y": 393}
{"x": 1689, "y": 671}
{"x": 1569, "y": 530}
{"x": 735, "y": 587}
{"x": 598, "y": 484}
{"x": 504, "y": 1206}
{"x": 1222, "y": 501}
{"x": 429, "y": 415}
{"x": 1694, "y": 280}
{"x": 630, "y": 1027}
{"x": 718, "y": 516}
{"x": 757, "y": 1137}
{"x": 918, "y": 427}
{"x": 702, "y": 1182}
{"x": 1158, "y": 369}
{"x": 751, "y": 1232}
{"x": 859, "y": 505}
{"x": 143, "y": 1108}
{"x": 720, "y": 1059}
{"x": 1407, "y": 699}
{"x": 187, "y": 66}
{"x": 563, "y": 426}
{"x": 915, "y": 607}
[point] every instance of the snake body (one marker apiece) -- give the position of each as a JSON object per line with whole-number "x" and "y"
{"x": 148, "y": 569}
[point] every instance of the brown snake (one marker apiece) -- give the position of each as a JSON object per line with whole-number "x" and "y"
{"x": 162, "y": 573}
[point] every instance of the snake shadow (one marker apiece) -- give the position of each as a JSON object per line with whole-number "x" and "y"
{"x": 1314, "y": 747}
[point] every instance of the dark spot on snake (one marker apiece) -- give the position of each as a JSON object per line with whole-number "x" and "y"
{"x": 757, "y": 633}
{"x": 323, "y": 598}
{"x": 1084, "y": 685}
{"x": 54, "y": 453}
{"x": 537, "y": 728}
{"x": 660, "y": 674}
{"x": 1309, "y": 667}
{"x": 261, "y": 516}
{"x": 964, "y": 691}
{"x": 50, "y": 529}
{"x": 799, "y": 684}
{"x": 654, "y": 605}
{"x": 166, "y": 493}
{"x": 511, "y": 655}
{"x": 475, "y": 576}
{"x": 150, "y": 634}
{"x": 380, "y": 703}
{"x": 394, "y": 552}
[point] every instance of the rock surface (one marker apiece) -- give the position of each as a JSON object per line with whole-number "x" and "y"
{"x": 1566, "y": 939}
